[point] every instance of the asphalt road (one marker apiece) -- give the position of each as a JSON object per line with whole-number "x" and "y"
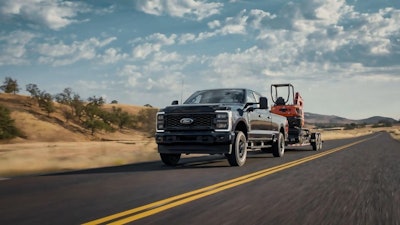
{"x": 352, "y": 181}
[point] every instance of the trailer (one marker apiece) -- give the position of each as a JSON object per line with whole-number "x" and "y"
{"x": 289, "y": 104}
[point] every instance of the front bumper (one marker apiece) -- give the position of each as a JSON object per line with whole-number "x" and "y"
{"x": 195, "y": 142}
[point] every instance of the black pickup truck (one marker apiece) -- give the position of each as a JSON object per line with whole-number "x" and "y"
{"x": 220, "y": 121}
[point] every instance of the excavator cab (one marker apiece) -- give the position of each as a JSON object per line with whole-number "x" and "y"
{"x": 288, "y": 103}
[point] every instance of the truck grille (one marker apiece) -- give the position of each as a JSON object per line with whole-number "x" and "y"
{"x": 200, "y": 122}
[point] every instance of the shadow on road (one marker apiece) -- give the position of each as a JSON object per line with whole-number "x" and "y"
{"x": 196, "y": 162}
{"x": 184, "y": 163}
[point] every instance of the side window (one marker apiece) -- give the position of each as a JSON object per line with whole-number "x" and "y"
{"x": 257, "y": 96}
{"x": 250, "y": 97}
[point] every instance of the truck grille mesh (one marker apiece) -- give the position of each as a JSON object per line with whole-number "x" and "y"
{"x": 200, "y": 122}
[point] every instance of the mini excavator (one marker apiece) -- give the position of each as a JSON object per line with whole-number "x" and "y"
{"x": 291, "y": 107}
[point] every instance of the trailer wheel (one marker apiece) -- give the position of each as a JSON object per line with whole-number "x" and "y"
{"x": 278, "y": 147}
{"x": 170, "y": 159}
{"x": 239, "y": 150}
{"x": 317, "y": 143}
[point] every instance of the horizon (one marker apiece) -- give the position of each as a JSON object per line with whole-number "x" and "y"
{"x": 342, "y": 56}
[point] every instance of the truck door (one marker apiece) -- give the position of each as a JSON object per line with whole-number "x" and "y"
{"x": 260, "y": 121}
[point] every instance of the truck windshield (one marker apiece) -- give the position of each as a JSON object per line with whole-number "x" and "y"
{"x": 217, "y": 96}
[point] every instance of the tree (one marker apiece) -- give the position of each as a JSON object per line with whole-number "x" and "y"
{"x": 146, "y": 119}
{"x": 46, "y": 103}
{"x": 33, "y": 90}
{"x": 96, "y": 101}
{"x": 78, "y": 106}
{"x": 10, "y": 86}
{"x": 65, "y": 97}
{"x": 96, "y": 118}
{"x": 7, "y": 125}
{"x": 121, "y": 118}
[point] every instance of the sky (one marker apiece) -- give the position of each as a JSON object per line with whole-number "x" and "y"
{"x": 342, "y": 56}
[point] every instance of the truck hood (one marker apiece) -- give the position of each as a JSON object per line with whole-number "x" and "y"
{"x": 190, "y": 108}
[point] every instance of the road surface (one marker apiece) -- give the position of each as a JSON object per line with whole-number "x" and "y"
{"x": 351, "y": 181}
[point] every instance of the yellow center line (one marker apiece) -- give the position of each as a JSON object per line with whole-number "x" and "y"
{"x": 168, "y": 203}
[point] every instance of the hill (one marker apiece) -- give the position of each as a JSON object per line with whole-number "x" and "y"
{"x": 312, "y": 118}
{"x": 377, "y": 119}
{"x": 37, "y": 126}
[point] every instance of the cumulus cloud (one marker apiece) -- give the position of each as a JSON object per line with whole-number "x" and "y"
{"x": 113, "y": 55}
{"x": 60, "y": 54}
{"x": 14, "y": 47}
{"x": 152, "y": 44}
{"x": 163, "y": 72}
{"x": 55, "y": 14}
{"x": 196, "y": 9}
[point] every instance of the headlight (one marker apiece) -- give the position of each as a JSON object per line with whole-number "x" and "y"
{"x": 223, "y": 120}
{"x": 160, "y": 122}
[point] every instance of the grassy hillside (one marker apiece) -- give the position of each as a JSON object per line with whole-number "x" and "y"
{"x": 37, "y": 126}
{"x": 312, "y": 118}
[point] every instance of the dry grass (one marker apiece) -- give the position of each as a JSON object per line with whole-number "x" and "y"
{"x": 51, "y": 145}
{"x": 44, "y": 157}
{"x": 341, "y": 134}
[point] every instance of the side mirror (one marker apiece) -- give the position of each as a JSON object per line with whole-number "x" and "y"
{"x": 175, "y": 102}
{"x": 263, "y": 103}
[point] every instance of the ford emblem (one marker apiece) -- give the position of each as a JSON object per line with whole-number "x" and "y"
{"x": 186, "y": 121}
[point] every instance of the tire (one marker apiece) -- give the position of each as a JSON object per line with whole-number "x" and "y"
{"x": 278, "y": 147}
{"x": 317, "y": 144}
{"x": 239, "y": 150}
{"x": 170, "y": 159}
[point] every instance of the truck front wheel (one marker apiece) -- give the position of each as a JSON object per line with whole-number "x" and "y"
{"x": 239, "y": 150}
{"x": 170, "y": 159}
{"x": 278, "y": 147}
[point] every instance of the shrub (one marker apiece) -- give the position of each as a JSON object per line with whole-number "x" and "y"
{"x": 7, "y": 126}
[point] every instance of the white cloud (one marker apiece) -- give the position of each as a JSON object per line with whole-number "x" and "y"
{"x": 151, "y": 44}
{"x": 112, "y": 55}
{"x": 214, "y": 24}
{"x": 162, "y": 39}
{"x": 162, "y": 73}
{"x": 14, "y": 47}
{"x": 235, "y": 25}
{"x": 186, "y": 38}
{"x": 197, "y": 9}
{"x": 143, "y": 50}
{"x": 60, "y": 54}
{"x": 55, "y": 14}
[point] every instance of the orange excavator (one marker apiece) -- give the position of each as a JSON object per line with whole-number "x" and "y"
{"x": 292, "y": 110}
{"x": 291, "y": 107}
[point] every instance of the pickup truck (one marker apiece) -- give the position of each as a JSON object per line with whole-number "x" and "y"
{"x": 220, "y": 121}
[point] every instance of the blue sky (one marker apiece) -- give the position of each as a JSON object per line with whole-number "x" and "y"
{"x": 342, "y": 56}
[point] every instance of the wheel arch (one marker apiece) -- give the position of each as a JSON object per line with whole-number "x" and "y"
{"x": 241, "y": 126}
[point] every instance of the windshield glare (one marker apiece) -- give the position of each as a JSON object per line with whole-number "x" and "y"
{"x": 217, "y": 96}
